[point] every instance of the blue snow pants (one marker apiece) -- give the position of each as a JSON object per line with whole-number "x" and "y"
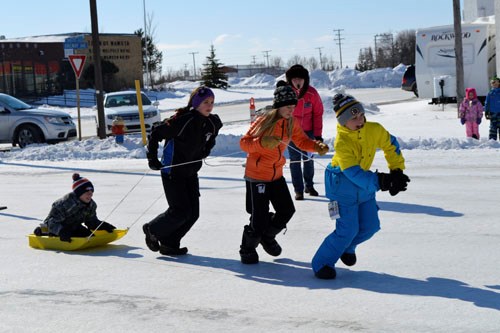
{"x": 358, "y": 220}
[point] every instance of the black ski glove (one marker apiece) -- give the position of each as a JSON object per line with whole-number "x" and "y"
{"x": 154, "y": 164}
{"x": 318, "y": 138}
{"x": 384, "y": 181}
{"x": 107, "y": 226}
{"x": 399, "y": 181}
{"x": 65, "y": 235}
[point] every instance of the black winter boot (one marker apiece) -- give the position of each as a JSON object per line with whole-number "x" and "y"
{"x": 326, "y": 273}
{"x": 249, "y": 243}
{"x": 173, "y": 251}
{"x": 349, "y": 259}
{"x": 268, "y": 241}
{"x": 312, "y": 192}
{"x": 151, "y": 241}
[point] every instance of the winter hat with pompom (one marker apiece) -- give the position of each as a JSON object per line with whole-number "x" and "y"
{"x": 81, "y": 185}
{"x": 346, "y": 107}
{"x": 284, "y": 95}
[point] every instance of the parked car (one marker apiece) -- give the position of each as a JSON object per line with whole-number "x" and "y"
{"x": 124, "y": 104}
{"x": 21, "y": 124}
{"x": 409, "y": 82}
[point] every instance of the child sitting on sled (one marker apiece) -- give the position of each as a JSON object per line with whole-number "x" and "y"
{"x": 71, "y": 211}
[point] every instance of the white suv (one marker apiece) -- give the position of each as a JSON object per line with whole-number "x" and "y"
{"x": 124, "y": 104}
{"x": 21, "y": 124}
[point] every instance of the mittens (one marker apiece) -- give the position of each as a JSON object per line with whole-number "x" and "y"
{"x": 270, "y": 142}
{"x": 321, "y": 148}
{"x": 462, "y": 120}
{"x": 478, "y": 121}
{"x": 487, "y": 114}
{"x": 394, "y": 182}
{"x": 399, "y": 181}
{"x": 154, "y": 164}
{"x": 384, "y": 181}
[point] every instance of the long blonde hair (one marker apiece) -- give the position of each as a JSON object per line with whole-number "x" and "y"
{"x": 268, "y": 124}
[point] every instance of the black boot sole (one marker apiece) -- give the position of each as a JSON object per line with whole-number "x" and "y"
{"x": 170, "y": 251}
{"x": 151, "y": 241}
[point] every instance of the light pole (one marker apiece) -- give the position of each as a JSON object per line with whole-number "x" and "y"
{"x": 146, "y": 83}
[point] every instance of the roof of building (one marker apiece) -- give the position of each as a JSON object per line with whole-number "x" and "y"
{"x": 56, "y": 38}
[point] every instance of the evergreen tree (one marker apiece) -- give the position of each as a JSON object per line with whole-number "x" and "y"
{"x": 155, "y": 56}
{"x": 213, "y": 76}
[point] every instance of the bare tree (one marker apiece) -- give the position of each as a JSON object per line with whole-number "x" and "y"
{"x": 276, "y": 62}
{"x": 312, "y": 63}
{"x": 296, "y": 59}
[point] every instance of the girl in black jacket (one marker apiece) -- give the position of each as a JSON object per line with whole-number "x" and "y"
{"x": 189, "y": 136}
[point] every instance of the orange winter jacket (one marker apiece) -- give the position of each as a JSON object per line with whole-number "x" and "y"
{"x": 267, "y": 164}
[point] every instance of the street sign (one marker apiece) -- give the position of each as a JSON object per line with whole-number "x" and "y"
{"x": 77, "y": 61}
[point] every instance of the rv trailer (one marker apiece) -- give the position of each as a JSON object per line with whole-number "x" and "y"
{"x": 435, "y": 70}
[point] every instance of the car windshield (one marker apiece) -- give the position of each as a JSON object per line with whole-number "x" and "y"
{"x": 14, "y": 103}
{"x": 125, "y": 100}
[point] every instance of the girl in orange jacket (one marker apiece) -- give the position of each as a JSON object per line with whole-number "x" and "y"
{"x": 265, "y": 142}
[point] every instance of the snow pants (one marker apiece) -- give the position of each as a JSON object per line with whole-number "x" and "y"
{"x": 494, "y": 126}
{"x": 358, "y": 220}
{"x": 299, "y": 175}
{"x": 183, "y": 197}
{"x": 471, "y": 128}
{"x": 258, "y": 197}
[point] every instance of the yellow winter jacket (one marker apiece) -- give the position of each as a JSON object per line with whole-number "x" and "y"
{"x": 358, "y": 147}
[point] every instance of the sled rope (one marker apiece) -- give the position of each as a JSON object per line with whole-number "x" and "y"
{"x": 301, "y": 153}
{"x": 118, "y": 204}
{"x": 138, "y": 182}
{"x": 145, "y": 211}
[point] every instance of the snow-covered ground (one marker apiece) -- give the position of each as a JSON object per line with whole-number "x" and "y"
{"x": 432, "y": 268}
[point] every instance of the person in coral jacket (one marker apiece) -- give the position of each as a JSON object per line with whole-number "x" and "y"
{"x": 309, "y": 114}
{"x": 265, "y": 144}
{"x": 471, "y": 113}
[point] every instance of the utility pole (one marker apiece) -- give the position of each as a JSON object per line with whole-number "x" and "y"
{"x": 96, "y": 55}
{"x": 194, "y": 64}
{"x": 459, "y": 60}
{"x": 339, "y": 43}
{"x": 320, "y": 58}
{"x": 146, "y": 85}
{"x": 267, "y": 56}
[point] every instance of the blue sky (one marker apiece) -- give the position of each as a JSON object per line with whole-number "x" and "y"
{"x": 241, "y": 31}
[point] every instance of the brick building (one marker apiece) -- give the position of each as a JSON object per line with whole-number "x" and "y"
{"x": 38, "y": 65}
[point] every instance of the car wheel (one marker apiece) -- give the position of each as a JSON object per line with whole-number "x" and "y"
{"x": 29, "y": 134}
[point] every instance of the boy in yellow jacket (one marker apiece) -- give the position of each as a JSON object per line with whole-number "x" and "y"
{"x": 351, "y": 185}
